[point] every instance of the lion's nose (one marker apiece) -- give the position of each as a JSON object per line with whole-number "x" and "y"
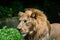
{"x": 18, "y": 29}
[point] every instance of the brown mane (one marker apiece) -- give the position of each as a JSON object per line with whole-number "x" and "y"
{"x": 41, "y": 27}
{"x": 37, "y": 35}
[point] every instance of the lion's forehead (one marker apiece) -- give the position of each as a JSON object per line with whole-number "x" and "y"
{"x": 23, "y": 18}
{"x": 27, "y": 18}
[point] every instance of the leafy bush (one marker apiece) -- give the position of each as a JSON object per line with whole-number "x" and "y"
{"x": 10, "y": 34}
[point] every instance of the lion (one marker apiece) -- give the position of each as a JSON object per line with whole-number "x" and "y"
{"x": 34, "y": 24}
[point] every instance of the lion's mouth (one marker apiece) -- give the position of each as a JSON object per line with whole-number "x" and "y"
{"x": 23, "y": 34}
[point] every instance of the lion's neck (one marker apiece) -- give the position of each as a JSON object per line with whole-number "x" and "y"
{"x": 30, "y": 37}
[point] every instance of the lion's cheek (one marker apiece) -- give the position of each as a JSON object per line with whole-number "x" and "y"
{"x": 26, "y": 30}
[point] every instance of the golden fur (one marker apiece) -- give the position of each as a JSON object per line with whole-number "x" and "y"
{"x": 55, "y": 31}
{"x": 34, "y": 24}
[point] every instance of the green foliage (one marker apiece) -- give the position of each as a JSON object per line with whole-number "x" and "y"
{"x": 10, "y": 34}
{"x": 5, "y": 11}
{"x": 11, "y": 10}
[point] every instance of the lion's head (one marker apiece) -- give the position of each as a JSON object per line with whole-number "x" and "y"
{"x": 33, "y": 23}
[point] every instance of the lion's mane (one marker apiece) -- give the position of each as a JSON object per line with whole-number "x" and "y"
{"x": 42, "y": 27}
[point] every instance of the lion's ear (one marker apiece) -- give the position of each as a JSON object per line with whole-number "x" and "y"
{"x": 34, "y": 15}
{"x": 20, "y": 14}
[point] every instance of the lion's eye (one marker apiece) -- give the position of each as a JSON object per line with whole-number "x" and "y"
{"x": 25, "y": 20}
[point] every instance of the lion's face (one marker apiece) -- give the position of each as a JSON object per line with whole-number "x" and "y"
{"x": 27, "y": 23}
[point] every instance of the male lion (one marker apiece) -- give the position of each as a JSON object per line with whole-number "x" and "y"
{"x": 34, "y": 25}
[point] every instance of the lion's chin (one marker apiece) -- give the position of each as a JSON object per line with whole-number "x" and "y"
{"x": 24, "y": 35}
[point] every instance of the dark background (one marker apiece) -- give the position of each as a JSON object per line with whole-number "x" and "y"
{"x": 10, "y": 8}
